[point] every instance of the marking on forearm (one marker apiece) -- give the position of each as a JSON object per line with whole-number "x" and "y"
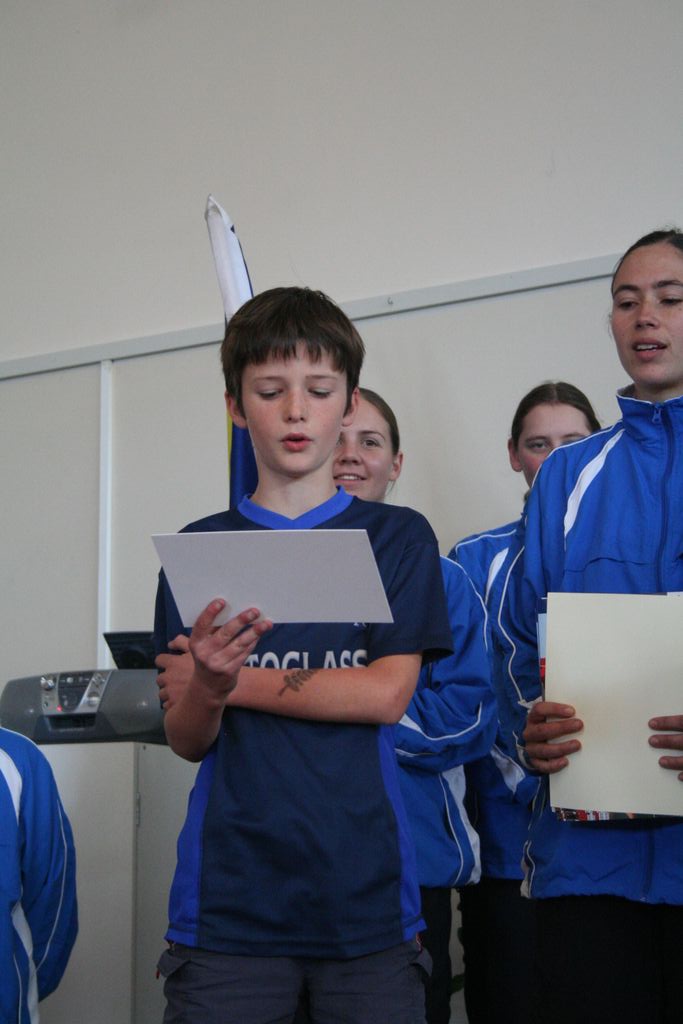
{"x": 295, "y": 680}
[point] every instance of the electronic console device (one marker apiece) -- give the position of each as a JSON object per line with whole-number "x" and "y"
{"x": 86, "y": 706}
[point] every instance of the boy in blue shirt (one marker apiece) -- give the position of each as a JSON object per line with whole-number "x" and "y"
{"x": 295, "y": 868}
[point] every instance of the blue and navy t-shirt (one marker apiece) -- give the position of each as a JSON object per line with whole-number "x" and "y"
{"x": 296, "y": 841}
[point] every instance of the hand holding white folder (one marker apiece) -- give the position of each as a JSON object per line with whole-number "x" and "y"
{"x": 618, "y": 659}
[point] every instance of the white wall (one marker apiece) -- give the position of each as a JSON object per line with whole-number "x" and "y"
{"x": 362, "y": 146}
{"x": 49, "y": 468}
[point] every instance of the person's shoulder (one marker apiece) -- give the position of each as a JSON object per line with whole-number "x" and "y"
{"x": 574, "y": 464}
{"x": 398, "y": 517}
{"x": 451, "y": 571}
{"x": 21, "y": 752}
{"x": 574, "y": 456}
{"x": 217, "y": 522}
{"x": 458, "y": 584}
{"x": 408, "y": 516}
{"x": 455, "y": 578}
{"x": 497, "y": 536}
{"x": 476, "y": 552}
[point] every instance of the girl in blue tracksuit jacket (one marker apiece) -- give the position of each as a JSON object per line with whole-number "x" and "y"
{"x": 450, "y": 720}
{"x": 38, "y": 919}
{"x": 605, "y": 515}
{"x": 498, "y": 923}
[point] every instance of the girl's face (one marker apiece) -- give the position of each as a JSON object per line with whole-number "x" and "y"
{"x": 364, "y": 461}
{"x": 544, "y": 428}
{"x": 647, "y": 320}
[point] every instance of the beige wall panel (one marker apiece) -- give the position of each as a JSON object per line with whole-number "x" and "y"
{"x": 49, "y": 466}
{"x": 98, "y": 788}
{"x": 169, "y": 465}
{"x": 362, "y": 146}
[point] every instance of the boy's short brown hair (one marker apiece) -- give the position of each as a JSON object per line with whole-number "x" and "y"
{"x": 274, "y": 322}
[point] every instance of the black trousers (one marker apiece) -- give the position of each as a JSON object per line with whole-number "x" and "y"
{"x": 436, "y": 910}
{"x": 499, "y": 941}
{"x": 605, "y": 960}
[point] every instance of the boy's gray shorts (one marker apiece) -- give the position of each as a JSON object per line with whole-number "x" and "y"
{"x": 202, "y": 987}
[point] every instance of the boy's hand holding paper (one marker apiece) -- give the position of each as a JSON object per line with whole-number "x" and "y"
{"x": 220, "y": 652}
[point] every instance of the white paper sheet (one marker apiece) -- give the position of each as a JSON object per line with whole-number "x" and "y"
{"x": 618, "y": 659}
{"x": 289, "y": 575}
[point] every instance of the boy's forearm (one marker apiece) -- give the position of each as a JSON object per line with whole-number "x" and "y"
{"x": 192, "y": 723}
{"x": 377, "y": 694}
{"x": 218, "y": 653}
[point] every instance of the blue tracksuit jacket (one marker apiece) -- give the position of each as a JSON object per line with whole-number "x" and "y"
{"x": 38, "y": 921}
{"x": 604, "y": 516}
{"x": 450, "y": 720}
{"x": 499, "y": 791}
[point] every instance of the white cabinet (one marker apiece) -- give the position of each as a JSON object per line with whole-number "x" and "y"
{"x": 126, "y": 803}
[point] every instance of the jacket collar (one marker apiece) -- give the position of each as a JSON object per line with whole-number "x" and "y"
{"x": 644, "y": 419}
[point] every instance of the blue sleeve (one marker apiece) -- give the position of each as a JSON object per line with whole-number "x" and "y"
{"x": 48, "y": 871}
{"x": 537, "y": 562}
{"x": 473, "y": 556}
{"x": 482, "y": 555}
{"x": 452, "y": 716}
{"x": 499, "y": 776}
